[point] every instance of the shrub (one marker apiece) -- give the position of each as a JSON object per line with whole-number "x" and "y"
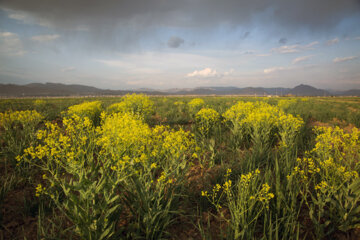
{"x": 206, "y": 120}
{"x": 18, "y": 130}
{"x": 91, "y": 110}
{"x": 195, "y": 105}
{"x": 136, "y": 104}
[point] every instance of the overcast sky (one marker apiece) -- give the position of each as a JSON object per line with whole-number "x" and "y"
{"x": 181, "y": 43}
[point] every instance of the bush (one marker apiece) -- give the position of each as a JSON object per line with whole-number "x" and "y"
{"x": 138, "y": 105}
{"x": 91, "y": 110}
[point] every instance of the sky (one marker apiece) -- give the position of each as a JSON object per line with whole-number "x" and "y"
{"x": 161, "y": 44}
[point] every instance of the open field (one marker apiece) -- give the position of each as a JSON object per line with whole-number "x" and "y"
{"x": 138, "y": 167}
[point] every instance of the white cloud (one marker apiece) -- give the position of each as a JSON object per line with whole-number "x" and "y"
{"x": 248, "y": 52}
{"x": 7, "y": 34}
{"x": 144, "y": 82}
{"x": 17, "y": 16}
{"x": 45, "y": 38}
{"x": 263, "y": 55}
{"x": 26, "y": 18}
{"x": 162, "y": 60}
{"x": 10, "y": 44}
{"x": 116, "y": 63}
{"x": 206, "y": 72}
{"x": 273, "y": 69}
{"x": 301, "y": 59}
{"x": 68, "y": 69}
{"x": 332, "y": 41}
{"x": 286, "y": 49}
{"x": 310, "y": 45}
{"x": 357, "y": 38}
{"x": 344, "y": 59}
{"x": 294, "y": 48}
{"x": 288, "y": 69}
{"x": 135, "y": 67}
{"x": 229, "y": 73}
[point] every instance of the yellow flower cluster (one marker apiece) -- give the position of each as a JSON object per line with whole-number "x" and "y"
{"x": 80, "y": 162}
{"x": 228, "y": 172}
{"x": 19, "y": 131}
{"x": 25, "y": 118}
{"x": 39, "y": 190}
{"x": 285, "y": 104}
{"x": 87, "y": 109}
{"x": 227, "y": 186}
{"x": 289, "y": 126}
{"x": 305, "y": 169}
{"x": 61, "y": 146}
{"x": 323, "y": 187}
{"x": 216, "y": 193}
{"x": 204, "y": 193}
{"x": 333, "y": 160}
{"x": 263, "y": 121}
{"x": 335, "y": 143}
{"x": 124, "y": 140}
{"x": 239, "y": 111}
{"x": 264, "y": 115}
{"x": 206, "y": 119}
{"x": 174, "y": 143}
{"x": 128, "y": 140}
{"x": 195, "y": 105}
{"x": 228, "y": 183}
{"x": 139, "y": 105}
{"x": 264, "y": 195}
{"x": 248, "y": 190}
{"x": 336, "y": 173}
{"x": 121, "y": 134}
{"x": 246, "y": 179}
{"x": 165, "y": 179}
{"x": 180, "y": 106}
{"x": 39, "y": 103}
{"x": 179, "y": 103}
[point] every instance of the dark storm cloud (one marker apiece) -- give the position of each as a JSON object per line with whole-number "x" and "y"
{"x": 175, "y": 42}
{"x": 104, "y": 16}
{"x": 283, "y": 40}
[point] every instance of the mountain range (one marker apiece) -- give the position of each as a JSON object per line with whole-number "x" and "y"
{"x": 59, "y": 89}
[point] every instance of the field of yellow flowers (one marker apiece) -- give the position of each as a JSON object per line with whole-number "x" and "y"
{"x": 137, "y": 167}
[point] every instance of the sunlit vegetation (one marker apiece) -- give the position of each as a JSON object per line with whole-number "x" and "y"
{"x": 140, "y": 167}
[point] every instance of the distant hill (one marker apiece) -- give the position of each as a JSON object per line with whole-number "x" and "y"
{"x": 47, "y": 89}
{"x": 300, "y": 90}
{"x": 218, "y": 91}
{"x": 278, "y": 91}
{"x": 306, "y": 90}
{"x": 352, "y": 92}
{"x": 59, "y": 89}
